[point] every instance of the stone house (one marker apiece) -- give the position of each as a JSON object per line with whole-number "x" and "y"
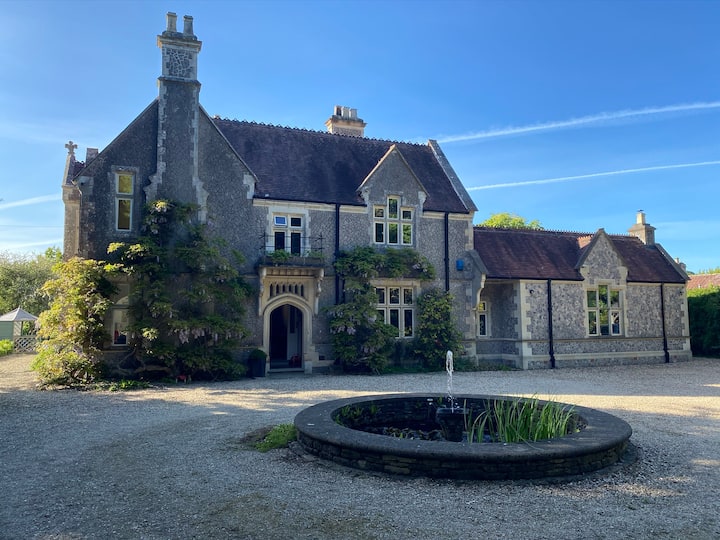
{"x": 267, "y": 188}
{"x": 556, "y": 299}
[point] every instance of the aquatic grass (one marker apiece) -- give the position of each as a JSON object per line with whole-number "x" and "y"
{"x": 520, "y": 420}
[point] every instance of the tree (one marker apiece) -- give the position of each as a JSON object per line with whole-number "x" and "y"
{"x": 22, "y": 278}
{"x": 72, "y": 330}
{"x": 506, "y": 220}
{"x": 704, "y": 315}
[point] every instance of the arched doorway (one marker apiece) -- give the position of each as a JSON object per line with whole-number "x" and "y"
{"x": 286, "y": 343}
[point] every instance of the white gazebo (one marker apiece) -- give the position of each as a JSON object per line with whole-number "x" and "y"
{"x": 11, "y": 327}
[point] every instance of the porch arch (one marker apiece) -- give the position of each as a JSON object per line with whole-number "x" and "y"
{"x": 307, "y": 353}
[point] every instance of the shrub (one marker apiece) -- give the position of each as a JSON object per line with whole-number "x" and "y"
{"x": 704, "y": 315}
{"x": 361, "y": 341}
{"x": 6, "y": 347}
{"x": 436, "y": 331}
{"x": 72, "y": 330}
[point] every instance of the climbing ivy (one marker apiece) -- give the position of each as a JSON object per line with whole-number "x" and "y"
{"x": 187, "y": 298}
{"x": 361, "y": 341}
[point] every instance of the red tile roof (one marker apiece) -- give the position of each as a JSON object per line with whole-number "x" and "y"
{"x": 701, "y": 281}
{"x": 533, "y": 254}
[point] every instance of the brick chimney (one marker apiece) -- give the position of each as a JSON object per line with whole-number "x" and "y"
{"x": 642, "y": 230}
{"x": 345, "y": 121}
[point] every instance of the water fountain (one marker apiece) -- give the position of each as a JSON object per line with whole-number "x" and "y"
{"x": 346, "y": 431}
{"x": 451, "y": 418}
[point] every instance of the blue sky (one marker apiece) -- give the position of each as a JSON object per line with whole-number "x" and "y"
{"x": 576, "y": 114}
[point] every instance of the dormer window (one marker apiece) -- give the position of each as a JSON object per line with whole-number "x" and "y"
{"x": 393, "y": 224}
{"x": 124, "y": 191}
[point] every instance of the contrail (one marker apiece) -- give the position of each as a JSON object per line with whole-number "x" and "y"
{"x": 594, "y": 175}
{"x": 30, "y": 201}
{"x": 581, "y": 121}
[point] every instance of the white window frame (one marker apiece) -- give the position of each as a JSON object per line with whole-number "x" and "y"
{"x": 287, "y": 224}
{"x": 401, "y": 219}
{"x": 396, "y": 307}
{"x": 598, "y": 309}
{"x": 483, "y": 318}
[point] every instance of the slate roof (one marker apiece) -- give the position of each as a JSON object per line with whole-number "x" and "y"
{"x": 700, "y": 281}
{"x": 532, "y": 254}
{"x": 313, "y": 166}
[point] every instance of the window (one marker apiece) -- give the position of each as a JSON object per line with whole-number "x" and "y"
{"x": 287, "y": 234}
{"x": 393, "y": 224}
{"x": 482, "y": 319}
{"x": 396, "y": 307}
{"x": 603, "y": 311}
{"x": 119, "y": 317}
{"x": 124, "y": 184}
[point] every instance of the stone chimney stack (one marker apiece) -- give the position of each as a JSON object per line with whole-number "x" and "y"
{"x": 177, "y": 174}
{"x": 345, "y": 121}
{"x": 643, "y": 230}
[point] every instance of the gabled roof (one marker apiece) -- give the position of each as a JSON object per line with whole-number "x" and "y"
{"x": 533, "y": 254}
{"x": 313, "y": 166}
{"x": 700, "y": 281}
{"x": 17, "y": 315}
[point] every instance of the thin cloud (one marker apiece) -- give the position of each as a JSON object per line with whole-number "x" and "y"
{"x": 30, "y": 201}
{"x": 594, "y": 175}
{"x": 18, "y": 247}
{"x": 581, "y": 121}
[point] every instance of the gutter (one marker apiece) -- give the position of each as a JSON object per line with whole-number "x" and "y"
{"x": 447, "y": 251}
{"x": 337, "y": 252}
{"x": 550, "y": 324}
{"x": 664, "y": 329}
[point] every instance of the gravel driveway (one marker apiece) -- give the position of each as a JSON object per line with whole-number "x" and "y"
{"x": 170, "y": 462}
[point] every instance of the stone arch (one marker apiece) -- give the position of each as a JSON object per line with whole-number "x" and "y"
{"x": 291, "y": 305}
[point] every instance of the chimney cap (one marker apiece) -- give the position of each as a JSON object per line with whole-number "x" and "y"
{"x": 345, "y": 121}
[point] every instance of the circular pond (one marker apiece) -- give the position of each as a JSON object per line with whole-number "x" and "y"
{"x": 601, "y": 441}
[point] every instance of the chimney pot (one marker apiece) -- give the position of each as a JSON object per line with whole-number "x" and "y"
{"x": 171, "y": 22}
{"x": 345, "y": 121}
{"x": 188, "y": 25}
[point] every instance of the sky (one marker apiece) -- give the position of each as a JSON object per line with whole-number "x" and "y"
{"x": 573, "y": 113}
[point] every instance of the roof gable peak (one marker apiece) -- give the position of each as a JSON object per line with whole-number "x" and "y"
{"x": 364, "y": 187}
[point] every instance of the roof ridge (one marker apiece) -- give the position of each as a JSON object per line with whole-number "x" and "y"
{"x": 317, "y": 131}
{"x": 552, "y": 231}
